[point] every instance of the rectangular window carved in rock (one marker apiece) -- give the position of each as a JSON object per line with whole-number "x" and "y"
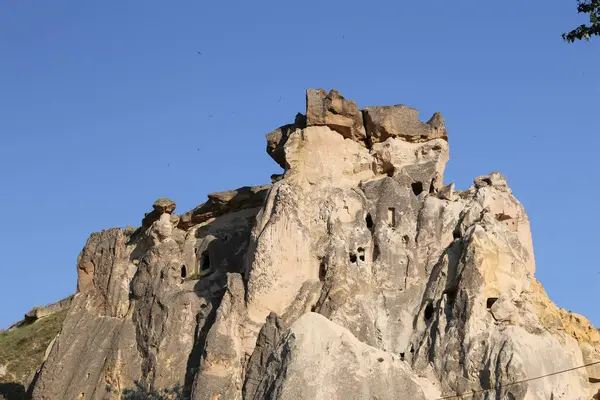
{"x": 490, "y": 302}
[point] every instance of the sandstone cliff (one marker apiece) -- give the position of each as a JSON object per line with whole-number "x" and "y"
{"x": 356, "y": 275}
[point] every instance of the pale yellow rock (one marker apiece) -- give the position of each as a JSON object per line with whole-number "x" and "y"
{"x": 282, "y": 240}
{"x": 319, "y": 156}
{"x": 507, "y": 209}
{"x": 577, "y": 326}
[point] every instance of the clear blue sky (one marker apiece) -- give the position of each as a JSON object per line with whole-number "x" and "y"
{"x": 106, "y": 106}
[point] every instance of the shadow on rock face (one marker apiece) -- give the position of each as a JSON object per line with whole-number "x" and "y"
{"x": 12, "y": 391}
{"x": 205, "y": 320}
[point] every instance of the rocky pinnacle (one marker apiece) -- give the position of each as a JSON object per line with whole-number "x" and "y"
{"x": 358, "y": 274}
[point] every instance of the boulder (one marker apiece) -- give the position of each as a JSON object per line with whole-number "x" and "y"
{"x": 447, "y": 192}
{"x": 160, "y": 206}
{"x": 164, "y": 205}
{"x": 333, "y": 110}
{"x": 220, "y": 203}
{"x": 494, "y": 179}
{"x": 383, "y": 122}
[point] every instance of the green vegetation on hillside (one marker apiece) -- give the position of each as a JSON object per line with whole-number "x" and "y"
{"x": 22, "y": 352}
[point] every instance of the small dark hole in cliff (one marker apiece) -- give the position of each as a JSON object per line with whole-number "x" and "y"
{"x": 369, "y": 221}
{"x": 402, "y": 356}
{"x": 322, "y": 271}
{"x": 361, "y": 254}
{"x": 432, "y": 186}
{"x": 389, "y": 169}
{"x": 205, "y": 262}
{"x": 503, "y": 217}
{"x": 352, "y": 258}
{"x": 456, "y": 234}
{"x": 380, "y": 359}
{"x": 488, "y": 181}
{"x": 490, "y": 302}
{"x": 406, "y": 239}
{"x": 417, "y": 188}
{"x": 429, "y": 312}
{"x": 412, "y": 349}
{"x": 183, "y": 271}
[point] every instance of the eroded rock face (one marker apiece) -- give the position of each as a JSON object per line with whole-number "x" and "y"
{"x": 142, "y": 312}
{"x": 333, "y": 110}
{"x": 356, "y": 274}
{"x": 383, "y": 122}
{"x": 351, "y": 369}
{"x": 221, "y": 203}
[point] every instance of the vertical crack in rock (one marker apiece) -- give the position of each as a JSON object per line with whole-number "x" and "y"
{"x": 205, "y": 320}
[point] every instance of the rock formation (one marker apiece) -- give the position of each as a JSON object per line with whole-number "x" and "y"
{"x": 40, "y": 312}
{"x": 23, "y": 347}
{"x": 356, "y": 275}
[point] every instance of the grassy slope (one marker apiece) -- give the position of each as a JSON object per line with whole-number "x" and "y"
{"x": 22, "y": 351}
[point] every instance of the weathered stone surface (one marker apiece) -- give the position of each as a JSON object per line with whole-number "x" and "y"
{"x": 494, "y": 179}
{"x": 42, "y": 311}
{"x": 333, "y": 110}
{"x": 164, "y": 205}
{"x": 223, "y": 356}
{"x": 277, "y": 139}
{"x": 417, "y": 165}
{"x": 317, "y": 359}
{"x": 276, "y": 178}
{"x": 266, "y": 343}
{"x": 135, "y": 316}
{"x": 476, "y": 317}
{"x": 221, "y": 203}
{"x": 574, "y": 325}
{"x": 160, "y": 206}
{"x": 447, "y": 192}
{"x": 383, "y": 122}
{"x": 357, "y": 274}
{"x": 499, "y": 202}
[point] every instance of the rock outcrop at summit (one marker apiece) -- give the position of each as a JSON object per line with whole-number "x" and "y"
{"x": 357, "y": 274}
